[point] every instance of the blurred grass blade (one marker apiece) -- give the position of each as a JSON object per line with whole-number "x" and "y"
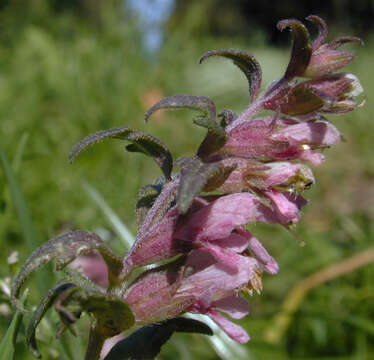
{"x": 223, "y": 345}
{"x": 24, "y": 216}
{"x": 19, "y": 152}
{"x": 119, "y": 227}
{"x": 363, "y": 324}
{"x": 19, "y": 202}
{"x": 8, "y": 342}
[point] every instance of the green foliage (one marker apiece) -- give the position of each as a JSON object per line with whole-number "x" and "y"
{"x": 8, "y": 342}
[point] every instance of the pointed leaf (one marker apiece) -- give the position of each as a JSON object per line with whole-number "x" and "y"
{"x": 195, "y": 176}
{"x": 64, "y": 249}
{"x": 301, "y": 48}
{"x": 245, "y": 62}
{"x": 141, "y": 142}
{"x": 188, "y": 325}
{"x": 146, "y": 343}
{"x": 39, "y": 313}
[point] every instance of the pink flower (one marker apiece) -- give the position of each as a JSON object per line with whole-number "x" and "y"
{"x": 208, "y": 281}
{"x": 93, "y": 266}
{"x": 326, "y": 58}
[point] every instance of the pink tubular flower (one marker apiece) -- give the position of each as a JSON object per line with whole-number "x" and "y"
{"x": 93, "y": 266}
{"x": 208, "y": 281}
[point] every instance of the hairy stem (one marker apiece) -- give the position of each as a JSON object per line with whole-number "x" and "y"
{"x": 258, "y": 105}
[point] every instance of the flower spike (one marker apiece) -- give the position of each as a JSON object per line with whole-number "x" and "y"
{"x": 192, "y": 224}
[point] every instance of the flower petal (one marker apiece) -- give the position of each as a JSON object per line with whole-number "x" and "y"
{"x": 287, "y": 206}
{"x": 233, "y": 305}
{"x": 218, "y": 219}
{"x": 236, "y": 332}
{"x": 260, "y": 253}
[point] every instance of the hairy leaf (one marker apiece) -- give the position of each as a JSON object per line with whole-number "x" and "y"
{"x": 64, "y": 249}
{"x": 146, "y": 343}
{"x": 196, "y": 176}
{"x": 301, "y": 48}
{"x": 39, "y": 313}
{"x": 70, "y": 300}
{"x": 245, "y": 62}
{"x": 141, "y": 142}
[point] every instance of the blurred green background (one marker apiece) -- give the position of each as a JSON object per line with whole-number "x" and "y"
{"x": 70, "y": 68}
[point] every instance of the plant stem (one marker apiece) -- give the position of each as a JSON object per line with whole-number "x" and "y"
{"x": 258, "y": 104}
{"x": 95, "y": 342}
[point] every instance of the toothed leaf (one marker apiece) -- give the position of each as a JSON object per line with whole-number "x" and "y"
{"x": 141, "y": 142}
{"x": 64, "y": 249}
{"x": 245, "y": 62}
{"x": 301, "y": 48}
{"x": 146, "y": 343}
